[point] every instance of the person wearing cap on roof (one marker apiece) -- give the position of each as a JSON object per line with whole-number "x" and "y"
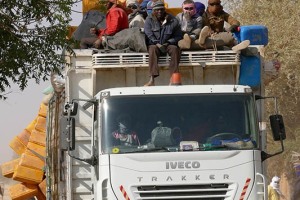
{"x": 274, "y": 192}
{"x": 200, "y": 8}
{"x": 191, "y": 24}
{"x": 213, "y": 34}
{"x": 147, "y": 5}
{"x": 116, "y": 20}
{"x": 137, "y": 16}
{"x": 144, "y": 3}
{"x": 162, "y": 32}
{"x": 124, "y": 135}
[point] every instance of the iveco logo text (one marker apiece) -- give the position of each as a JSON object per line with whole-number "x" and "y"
{"x": 183, "y": 165}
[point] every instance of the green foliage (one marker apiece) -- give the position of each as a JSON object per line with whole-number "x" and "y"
{"x": 32, "y": 36}
{"x": 282, "y": 19}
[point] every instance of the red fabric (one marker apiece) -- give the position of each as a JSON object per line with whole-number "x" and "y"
{"x": 118, "y": 135}
{"x": 116, "y": 20}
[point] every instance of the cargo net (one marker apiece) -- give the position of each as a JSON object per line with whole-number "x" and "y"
{"x": 188, "y": 58}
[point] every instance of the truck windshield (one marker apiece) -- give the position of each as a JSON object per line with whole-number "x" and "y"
{"x": 135, "y": 124}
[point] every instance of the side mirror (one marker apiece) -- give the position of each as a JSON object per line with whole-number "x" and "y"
{"x": 67, "y": 133}
{"x": 277, "y": 127}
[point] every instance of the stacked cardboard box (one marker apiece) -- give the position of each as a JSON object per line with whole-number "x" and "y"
{"x": 28, "y": 169}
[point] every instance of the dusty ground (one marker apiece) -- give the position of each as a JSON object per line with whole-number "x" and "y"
{"x": 288, "y": 188}
{"x": 285, "y": 188}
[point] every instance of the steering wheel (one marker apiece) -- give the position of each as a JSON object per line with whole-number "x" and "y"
{"x": 223, "y": 136}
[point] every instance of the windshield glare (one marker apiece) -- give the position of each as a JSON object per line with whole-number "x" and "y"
{"x": 177, "y": 123}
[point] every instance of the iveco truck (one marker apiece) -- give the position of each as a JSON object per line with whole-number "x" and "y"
{"x": 204, "y": 138}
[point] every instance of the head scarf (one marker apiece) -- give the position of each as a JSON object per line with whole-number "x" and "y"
{"x": 275, "y": 184}
{"x": 149, "y": 7}
{"x": 200, "y": 8}
{"x": 214, "y": 9}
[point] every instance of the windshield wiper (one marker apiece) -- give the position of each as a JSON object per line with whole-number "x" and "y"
{"x": 156, "y": 149}
{"x": 216, "y": 147}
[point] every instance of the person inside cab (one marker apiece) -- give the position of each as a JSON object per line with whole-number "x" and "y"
{"x": 124, "y": 135}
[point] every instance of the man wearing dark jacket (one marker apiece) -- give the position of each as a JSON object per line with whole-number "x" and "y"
{"x": 162, "y": 32}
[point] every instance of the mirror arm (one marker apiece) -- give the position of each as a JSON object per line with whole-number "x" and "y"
{"x": 265, "y": 155}
{"x": 91, "y": 161}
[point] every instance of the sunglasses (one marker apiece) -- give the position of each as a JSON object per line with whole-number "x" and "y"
{"x": 215, "y": 4}
{"x": 188, "y": 8}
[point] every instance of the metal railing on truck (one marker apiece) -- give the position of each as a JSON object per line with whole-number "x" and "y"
{"x": 188, "y": 58}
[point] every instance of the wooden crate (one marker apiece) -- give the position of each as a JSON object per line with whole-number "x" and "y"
{"x": 38, "y": 137}
{"x": 8, "y": 168}
{"x": 17, "y": 145}
{"x": 42, "y": 187}
{"x": 31, "y": 161}
{"x": 24, "y": 136}
{"x": 90, "y": 5}
{"x": 40, "y": 196}
{"x": 31, "y": 126}
{"x": 22, "y": 191}
{"x": 40, "y": 124}
{"x": 43, "y": 110}
{"x": 28, "y": 175}
{"x": 38, "y": 149}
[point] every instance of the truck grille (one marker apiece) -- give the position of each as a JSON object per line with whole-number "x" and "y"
{"x": 187, "y": 192}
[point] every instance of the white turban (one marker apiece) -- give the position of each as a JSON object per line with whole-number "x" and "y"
{"x": 275, "y": 184}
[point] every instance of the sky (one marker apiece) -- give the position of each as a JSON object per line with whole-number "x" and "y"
{"x": 22, "y": 107}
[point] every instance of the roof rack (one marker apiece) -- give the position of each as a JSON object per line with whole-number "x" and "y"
{"x": 188, "y": 58}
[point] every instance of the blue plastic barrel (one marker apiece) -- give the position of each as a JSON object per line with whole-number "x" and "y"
{"x": 257, "y": 34}
{"x": 250, "y": 73}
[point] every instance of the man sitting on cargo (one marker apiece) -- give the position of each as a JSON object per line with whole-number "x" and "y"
{"x": 124, "y": 135}
{"x": 116, "y": 20}
{"x": 137, "y": 16}
{"x": 162, "y": 33}
{"x": 191, "y": 24}
{"x": 213, "y": 35}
